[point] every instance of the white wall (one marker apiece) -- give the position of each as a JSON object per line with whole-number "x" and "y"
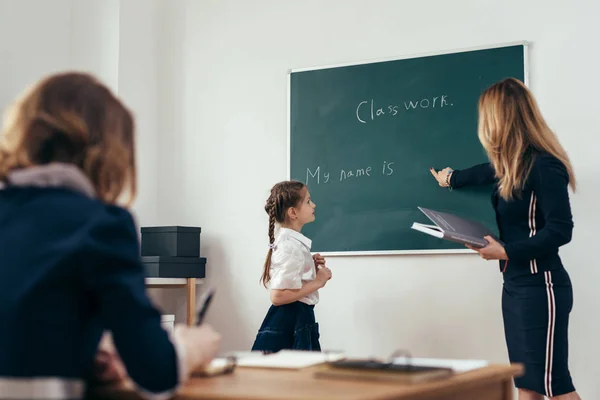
{"x": 41, "y": 37}
{"x": 138, "y": 56}
{"x": 233, "y": 148}
{"x": 172, "y": 37}
{"x": 117, "y": 40}
{"x": 93, "y": 38}
{"x": 26, "y": 54}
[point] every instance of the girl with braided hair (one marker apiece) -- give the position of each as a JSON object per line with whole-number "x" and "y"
{"x": 292, "y": 274}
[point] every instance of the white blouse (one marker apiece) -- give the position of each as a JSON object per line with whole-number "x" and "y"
{"x": 292, "y": 264}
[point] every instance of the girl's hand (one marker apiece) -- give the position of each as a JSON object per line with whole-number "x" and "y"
{"x": 319, "y": 260}
{"x": 323, "y": 275}
{"x": 493, "y": 251}
{"x": 442, "y": 176}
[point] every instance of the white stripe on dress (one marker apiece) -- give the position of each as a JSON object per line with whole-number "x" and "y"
{"x": 532, "y": 229}
{"x": 550, "y": 336}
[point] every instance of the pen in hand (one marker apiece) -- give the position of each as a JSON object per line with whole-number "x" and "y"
{"x": 204, "y": 308}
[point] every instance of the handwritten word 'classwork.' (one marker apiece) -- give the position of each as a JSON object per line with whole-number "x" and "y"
{"x": 369, "y": 110}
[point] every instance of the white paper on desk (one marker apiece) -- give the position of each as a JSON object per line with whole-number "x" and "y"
{"x": 218, "y": 363}
{"x": 456, "y": 365}
{"x": 245, "y": 354}
{"x": 289, "y": 359}
{"x": 215, "y": 367}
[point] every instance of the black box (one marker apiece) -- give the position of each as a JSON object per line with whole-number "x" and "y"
{"x": 174, "y": 267}
{"x": 171, "y": 241}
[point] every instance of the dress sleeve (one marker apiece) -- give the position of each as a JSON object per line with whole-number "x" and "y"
{"x": 287, "y": 262}
{"x": 481, "y": 174}
{"x": 114, "y": 278}
{"x": 550, "y": 180}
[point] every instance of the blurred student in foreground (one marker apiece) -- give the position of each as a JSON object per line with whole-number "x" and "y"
{"x": 69, "y": 260}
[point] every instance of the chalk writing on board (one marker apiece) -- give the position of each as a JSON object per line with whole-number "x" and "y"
{"x": 369, "y": 110}
{"x": 319, "y": 176}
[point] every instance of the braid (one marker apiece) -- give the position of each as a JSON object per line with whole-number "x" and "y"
{"x": 272, "y": 224}
{"x": 270, "y": 208}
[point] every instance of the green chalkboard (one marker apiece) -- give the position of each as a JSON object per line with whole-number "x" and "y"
{"x": 363, "y": 137}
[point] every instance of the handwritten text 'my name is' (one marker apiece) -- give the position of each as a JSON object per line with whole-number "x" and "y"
{"x": 370, "y": 110}
{"x": 347, "y": 174}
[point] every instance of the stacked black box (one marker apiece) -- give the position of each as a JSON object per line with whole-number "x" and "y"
{"x": 172, "y": 252}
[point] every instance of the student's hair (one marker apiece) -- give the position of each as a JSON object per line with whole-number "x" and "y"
{"x": 512, "y": 130}
{"x": 72, "y": 118}
{"x": 284, "y": 195}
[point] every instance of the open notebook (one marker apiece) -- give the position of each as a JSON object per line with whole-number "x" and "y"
{"x": 455, "y": 229}
{"x": 288, "y": 359}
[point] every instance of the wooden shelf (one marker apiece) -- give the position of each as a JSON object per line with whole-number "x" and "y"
{"x": 188, "y": 283}
{"x": 170, "y": 282}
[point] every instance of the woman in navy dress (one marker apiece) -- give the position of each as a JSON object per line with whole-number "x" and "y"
{"x": 531, "y": 173}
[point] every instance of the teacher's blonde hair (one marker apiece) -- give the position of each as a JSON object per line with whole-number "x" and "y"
{"x": 512, "y": 130}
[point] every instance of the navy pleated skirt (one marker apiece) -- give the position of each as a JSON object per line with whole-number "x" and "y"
{"x": 290, "y": 326}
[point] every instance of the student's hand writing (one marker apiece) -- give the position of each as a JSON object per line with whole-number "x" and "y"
{"x": 442, "y": 176}
{"x": 319, "y": 260}
{"x": 201, "y": 343}
{"x": 493, "y": 251}
{"x": 323, "y": 275}
{"x": 108, "y": 367}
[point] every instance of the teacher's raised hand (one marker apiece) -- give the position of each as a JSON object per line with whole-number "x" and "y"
{"x": 442, "y": 176}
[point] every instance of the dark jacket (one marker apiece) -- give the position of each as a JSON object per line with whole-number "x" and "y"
{"x": 537, "y": 221}
{"x": 69, "y": 270}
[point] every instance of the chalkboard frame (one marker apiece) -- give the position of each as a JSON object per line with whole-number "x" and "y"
{"x": 526, "y": 45}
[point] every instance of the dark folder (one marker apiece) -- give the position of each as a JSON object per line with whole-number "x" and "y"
{"x": 450, "y": 227}
{"x": 381, "y": 371}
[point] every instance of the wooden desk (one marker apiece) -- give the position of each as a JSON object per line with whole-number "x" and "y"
{"x": 188, "y": 283}
{"x": 490, "y": 383}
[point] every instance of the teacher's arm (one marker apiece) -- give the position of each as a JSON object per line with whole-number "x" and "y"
{"x": 481, "y": 174}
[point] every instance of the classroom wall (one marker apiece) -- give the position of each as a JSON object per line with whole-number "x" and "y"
{"x": 232, "y": 148}
{"x": 138, "y": 72}
{"x": 24, "y": 53}
{"x": 39, "y": 37}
